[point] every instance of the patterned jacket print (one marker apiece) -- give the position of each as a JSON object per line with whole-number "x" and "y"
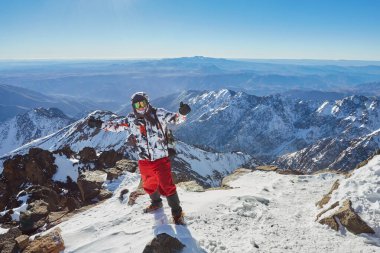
{"x": 149, "y": 138}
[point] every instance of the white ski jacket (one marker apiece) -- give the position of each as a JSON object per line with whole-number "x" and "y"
{"x": 150, "y": 138}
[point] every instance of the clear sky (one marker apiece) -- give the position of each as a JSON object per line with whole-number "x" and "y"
{"x": 256, "y": 29}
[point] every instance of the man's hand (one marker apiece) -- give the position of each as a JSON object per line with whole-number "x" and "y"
{"x": 184, "y": 109}
{"x": 92, "y": 122}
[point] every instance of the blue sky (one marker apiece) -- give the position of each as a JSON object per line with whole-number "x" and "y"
{"x": 256, "y": 29}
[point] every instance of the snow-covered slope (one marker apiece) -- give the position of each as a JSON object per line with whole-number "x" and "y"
{"x": 334, "y": 153}
{"x": 206, "y": 167}
{"x": 273, "y": 126}
{"x": 264, "y": 212}
{"x": 362, "y": 188}
{"x": 29, "y": 126}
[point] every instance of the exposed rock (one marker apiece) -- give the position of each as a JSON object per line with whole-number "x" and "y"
{"x": 6, "y": 217}
{"x": 175, "y": 178}
{"x": 72, "y": 204}
{"x": 163, "y": 243}
{"x": 8, "y": 247}
{"x": 349, "y": 219}
{"x": 267, "y": 168}
{"x": 34, "y": 217}
{"x": 55, "y": 217}
{"x": 4, "y": 195}
{"x": 52, "y": 243}
{"x": 14, "y": 172}
{"x": 37, "y": 167}
{"x": 104, "y": 194}
{"x": 90, "y": 184}
{"x": 126, "y": 165}
{"x": 8, "y": 242}
{"x": 87, "y": 155}
{"x": 46, "y": 194}
{"x": 289, "y": 172}
{"x": 108, "y": 159}
{"x": 235, "y": 175}
{"x": 113, "y": 173}
{"x": 331, "y": 222}
{"x": 326, "y": 198}
{"x": 191, "y": 186}
{"x": 66, "y": 151}
{"x": 134, "y": 195}
{"x": 328, "y": 209}
{"x": 40, "y": 167}
{"x": 22, "y": 241}
{"x": 122, "y": 193}
{"x": 352, "y": 220}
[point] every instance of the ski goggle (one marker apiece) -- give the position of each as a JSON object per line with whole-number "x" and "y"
{"x": 139, "y": 105}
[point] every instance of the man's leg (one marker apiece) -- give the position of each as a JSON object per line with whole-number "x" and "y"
{"x": 174, "y": 203}
{"x": 168, "y": 188}
{"x": 150, "y": 185}
{"x": 155, "y": 198}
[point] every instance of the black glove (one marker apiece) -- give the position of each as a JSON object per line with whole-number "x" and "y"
{"x": 92, "y": 122}
{"x": 184, "y": 109}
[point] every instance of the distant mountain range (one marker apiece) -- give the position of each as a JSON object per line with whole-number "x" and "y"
{"x": 117, "y": 80}
{"x": 17, "y": 100}
{"x": 305, "y": 135}
{"x": 301, "y": 134}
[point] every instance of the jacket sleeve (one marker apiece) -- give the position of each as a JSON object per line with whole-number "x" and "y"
{"x": 118, "y": 125}
{"x": 170, "y": 117}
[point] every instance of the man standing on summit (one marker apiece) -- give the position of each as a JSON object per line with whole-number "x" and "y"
{"x": 148, "y": 129}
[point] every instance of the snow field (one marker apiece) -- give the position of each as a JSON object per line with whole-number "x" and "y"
{"x": 265, "y": 212}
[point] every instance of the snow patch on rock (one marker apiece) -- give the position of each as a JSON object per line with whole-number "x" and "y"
{"x": 66, "y": 168}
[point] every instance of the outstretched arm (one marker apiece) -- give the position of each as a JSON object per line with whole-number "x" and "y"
{"x": 112, "y": 125}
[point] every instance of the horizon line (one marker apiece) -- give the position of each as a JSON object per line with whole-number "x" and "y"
{"x": 195, "y": 56}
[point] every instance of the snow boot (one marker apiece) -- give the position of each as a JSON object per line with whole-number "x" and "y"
{"x": 179, "y": 219}
{"x": 178, "y": 215}
{"x": 156, "y": 203}
{"x": 153, "y": 207}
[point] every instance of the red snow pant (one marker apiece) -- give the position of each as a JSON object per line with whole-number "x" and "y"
{"x": 157, "y": 175}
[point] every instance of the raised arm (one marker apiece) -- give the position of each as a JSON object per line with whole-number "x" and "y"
{"x": 173, "y": 117}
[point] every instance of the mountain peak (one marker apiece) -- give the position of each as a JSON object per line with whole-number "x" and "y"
{"x": 50, "y": 112}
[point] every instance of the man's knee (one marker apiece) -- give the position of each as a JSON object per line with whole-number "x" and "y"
{"x": 150, "y": 185}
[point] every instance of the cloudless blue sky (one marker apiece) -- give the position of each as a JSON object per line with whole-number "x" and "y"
{"x": 256, "y": 29}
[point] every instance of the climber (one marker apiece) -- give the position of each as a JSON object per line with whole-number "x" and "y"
{"x": 148, "y": 127}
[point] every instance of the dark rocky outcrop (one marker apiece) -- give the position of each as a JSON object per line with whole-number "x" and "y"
{"x": 30, "y": 177}
{"x": 108, "y": 159}
{"x": 126, "y": 165}
{"x": 66, "y": 151}
{"x": 8, "y": 243}
{"x": 121, "y": 167}
{"x": 164, "y": 243}
{"x": 48, "y": 195}
{"x": 34, "y": 217}
{"x": 36, "y": 167}
{"x": 87, "y": 155}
